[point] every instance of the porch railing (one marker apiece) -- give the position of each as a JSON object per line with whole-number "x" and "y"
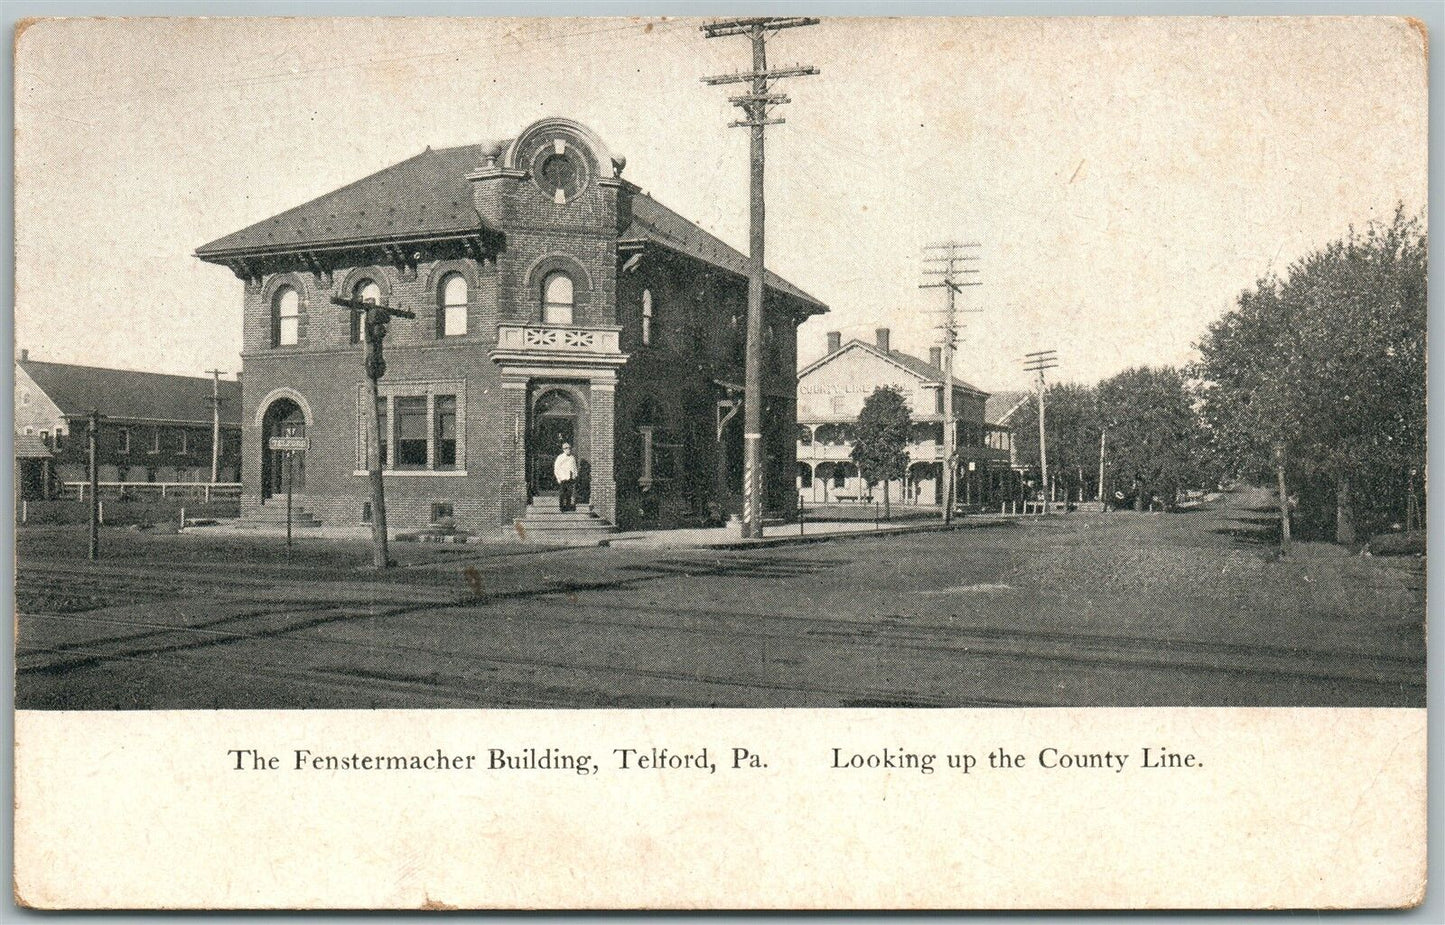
{"x": 200, "y": 491}
{"x": 529, "y": 338}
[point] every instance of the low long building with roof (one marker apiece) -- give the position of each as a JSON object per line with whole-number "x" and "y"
{"x": 154, "y": 427}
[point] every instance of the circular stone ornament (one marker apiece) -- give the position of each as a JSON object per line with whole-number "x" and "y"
{"x": 560, "y": 170}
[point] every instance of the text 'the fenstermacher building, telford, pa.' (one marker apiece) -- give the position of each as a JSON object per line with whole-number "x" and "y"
{"x": 555, "y": 301}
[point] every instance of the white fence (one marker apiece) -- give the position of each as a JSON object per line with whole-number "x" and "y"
{"x": 198, "y": 491}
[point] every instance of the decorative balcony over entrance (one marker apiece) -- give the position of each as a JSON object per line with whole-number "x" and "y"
{"x": 549, "y": 344}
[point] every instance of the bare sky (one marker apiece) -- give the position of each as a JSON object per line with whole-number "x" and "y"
{"x": 1126, "y": 177}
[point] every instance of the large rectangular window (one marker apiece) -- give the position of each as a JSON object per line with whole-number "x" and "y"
{"x": 411, "y": 436}
{"x": 445, "y": 412}
{"x": 422, "y": 428}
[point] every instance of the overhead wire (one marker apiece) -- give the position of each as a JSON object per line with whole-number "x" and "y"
{"x": 640, "y": 29}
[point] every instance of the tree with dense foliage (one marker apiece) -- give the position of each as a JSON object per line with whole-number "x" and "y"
{"x": 1071, "y": 423}
{"x": 1155, "y": 444}
{"x": 880, "y": 439}
{"x": 1326, "y": 367}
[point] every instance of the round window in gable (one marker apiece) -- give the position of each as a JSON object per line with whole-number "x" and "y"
{"x": 559, "y": 170}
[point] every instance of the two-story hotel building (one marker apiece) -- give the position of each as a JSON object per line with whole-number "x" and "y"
{"x": 831, "y": 392}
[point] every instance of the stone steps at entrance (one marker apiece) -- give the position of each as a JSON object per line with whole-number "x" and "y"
{"x": 544, "y": 522}
{"x": 273, "y": 512}
{"x": 583, "y": 510}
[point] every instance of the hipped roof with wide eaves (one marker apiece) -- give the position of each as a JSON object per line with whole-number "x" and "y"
{"x": 423, "y": 196}
{"x": 429, "y": 196}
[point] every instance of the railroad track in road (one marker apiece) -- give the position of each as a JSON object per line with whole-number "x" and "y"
{"x": 1082, "y": 650}
{"x": 145, "y": 585}
{"x": 818, "y": 634}
{"x": 688, "y": 688}
{"x": 114, "y": 587}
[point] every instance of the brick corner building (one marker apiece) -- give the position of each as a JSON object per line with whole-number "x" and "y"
{"x": 555, "y": 302}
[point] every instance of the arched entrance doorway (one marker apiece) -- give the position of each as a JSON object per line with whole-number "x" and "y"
{"x": 283, "y": 418}
{"x": 554, "y": 422}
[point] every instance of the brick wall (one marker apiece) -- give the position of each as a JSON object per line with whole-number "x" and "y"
{"x": 698, "y": 343}
{"x": 139, "y": 463}
{"x": 331, "y": 382}
{"x": 695, "y": 341}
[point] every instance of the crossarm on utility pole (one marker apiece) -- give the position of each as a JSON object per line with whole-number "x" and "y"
{"x": 357, "y": 305}
{"x": 763, "y": 75}
{"x": 755, "y": 106}
{"x": 745, "y": 25}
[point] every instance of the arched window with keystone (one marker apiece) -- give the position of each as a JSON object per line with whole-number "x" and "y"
{"x": 452, "y": 317}
{"x": 366, "y": 290}
{"x": 285, "y": 317}
{"x": 557, "y": 298}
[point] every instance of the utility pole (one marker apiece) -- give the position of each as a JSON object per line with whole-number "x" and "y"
{"x": 1037, "y": 362}
{"x": 374, "y": 320}
{"x": 1284, "y": 538}
{"x": 215, "y": 425}
{"x": 1103, "y": 433}
{"x": 942, "y": 260}
{"x": 756, "y": 106}
{"x": 92, "y": 440}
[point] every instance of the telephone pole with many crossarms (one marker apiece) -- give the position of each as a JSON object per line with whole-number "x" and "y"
{"x": 1037, "y": 362}
{"x": 757, "y": 106}
{"x": 943, "y": 260}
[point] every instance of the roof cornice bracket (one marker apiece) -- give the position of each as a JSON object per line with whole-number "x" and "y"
{"x": 320, "y": 273}
{"x": 245, "y": 271}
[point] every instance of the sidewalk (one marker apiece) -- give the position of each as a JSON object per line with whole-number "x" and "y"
{"x": 780, "y": 535}
{"x": 678, "y": 538}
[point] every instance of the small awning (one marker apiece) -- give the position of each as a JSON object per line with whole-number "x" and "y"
{"x": 29, "y": 446}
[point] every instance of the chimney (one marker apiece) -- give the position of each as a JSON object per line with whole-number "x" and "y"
{"x": 24, "y": 354}
{"x": 935, "y": 357}
{"x": 835, "y": 341}
{"x": 883, "y": 339}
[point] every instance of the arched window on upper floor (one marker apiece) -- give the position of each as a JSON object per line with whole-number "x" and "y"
{"x": 366, "y": 290}
{"x": 285, "y": 317}
{"x": 557, "y": 298}
{"x": 647, "y": 317}
{"x": 452, "y": 317}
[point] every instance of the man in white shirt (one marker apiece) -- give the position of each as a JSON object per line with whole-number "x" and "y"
{"x": 564, "y": 468}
